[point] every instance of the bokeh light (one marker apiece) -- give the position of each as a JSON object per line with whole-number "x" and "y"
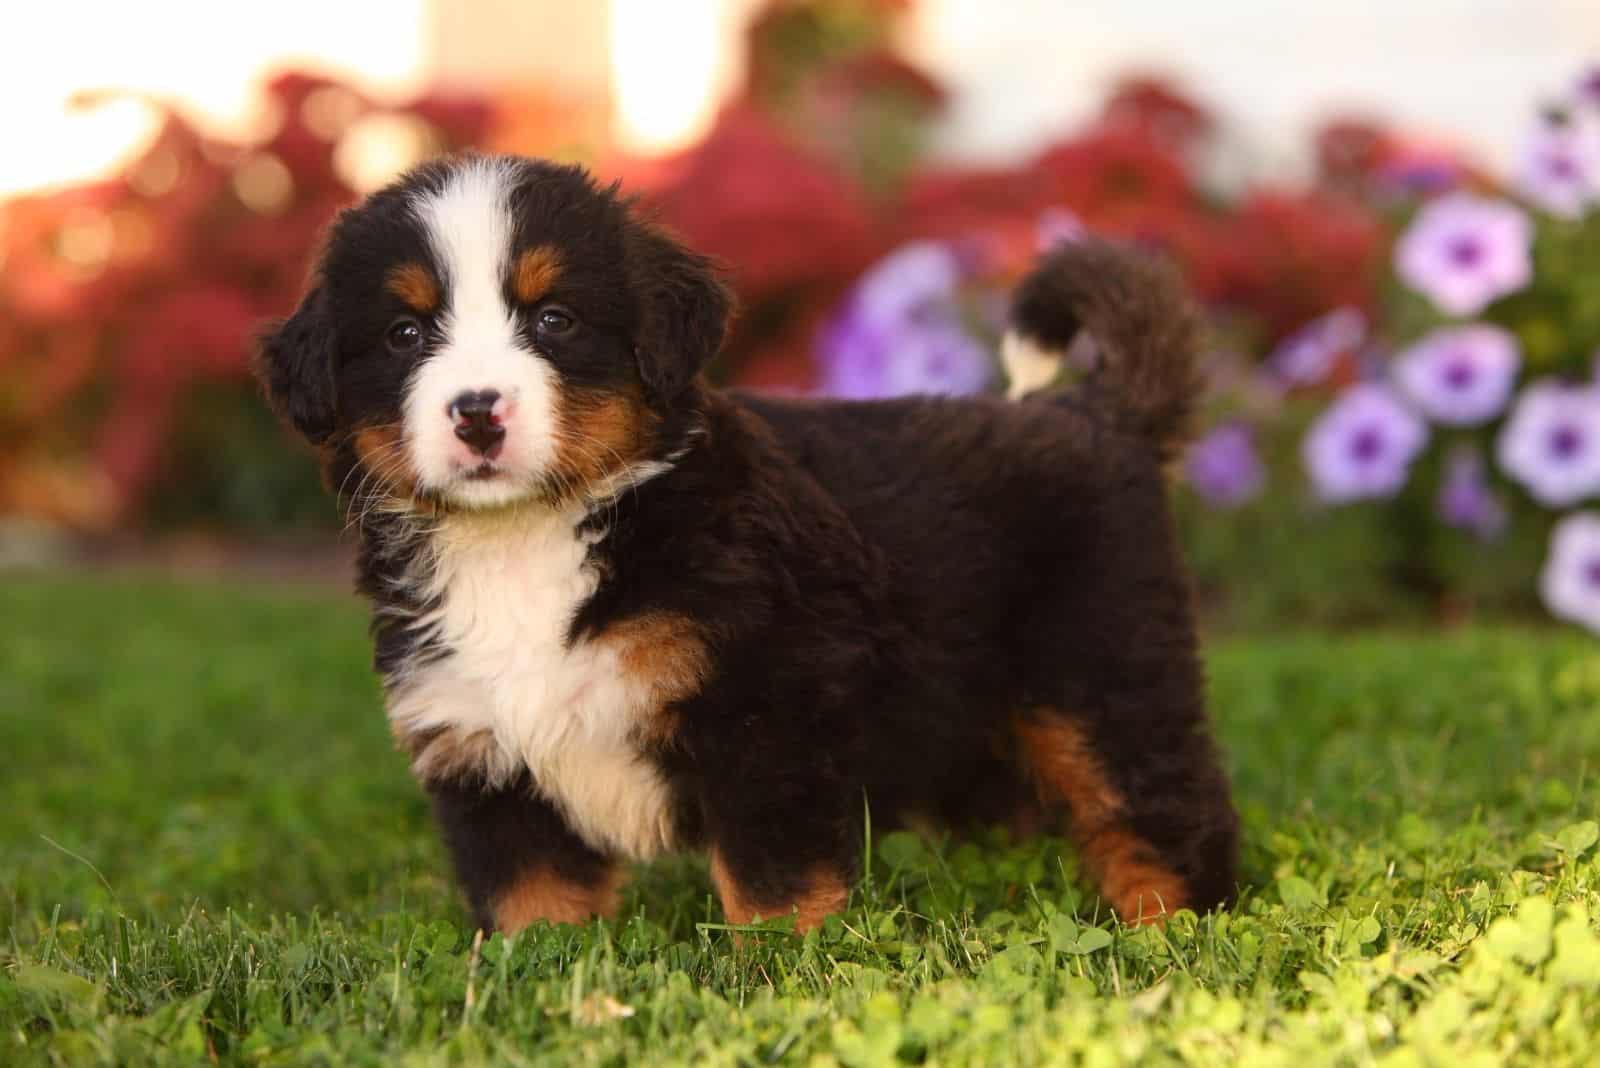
{"x": 64, "y": 57}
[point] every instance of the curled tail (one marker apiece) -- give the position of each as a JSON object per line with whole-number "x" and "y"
{"x": 1145, "y": 327}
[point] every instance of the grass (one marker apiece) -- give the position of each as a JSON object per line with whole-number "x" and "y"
{"x": 209, "y": 852}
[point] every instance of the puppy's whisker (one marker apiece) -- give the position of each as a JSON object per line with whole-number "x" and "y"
{"x": 383, "y": 466}
{"x": 364, "y": 461}
{"x": 609, "y": 495}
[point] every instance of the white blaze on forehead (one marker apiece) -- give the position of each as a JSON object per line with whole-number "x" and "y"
{"x": 469, "y": 226}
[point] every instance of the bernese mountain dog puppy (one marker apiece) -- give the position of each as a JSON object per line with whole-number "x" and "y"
{"x": 619, "y": 613}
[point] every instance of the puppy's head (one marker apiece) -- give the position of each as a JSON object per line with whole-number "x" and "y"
{"x": 492, "y": 330}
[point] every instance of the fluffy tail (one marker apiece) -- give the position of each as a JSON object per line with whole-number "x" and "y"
{"x": 1145, "y": 327}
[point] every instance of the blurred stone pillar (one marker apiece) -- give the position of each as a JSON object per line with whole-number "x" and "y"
{"x": 561, "y": 45}
{"x": 546, "y": 63}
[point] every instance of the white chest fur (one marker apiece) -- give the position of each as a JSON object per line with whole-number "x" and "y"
{"x": 508, "y": 588}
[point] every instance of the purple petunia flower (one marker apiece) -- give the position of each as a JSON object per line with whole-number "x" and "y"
{"x": 940, "y": 361}
{"x": 899, "y": 331}
{"x": 1363, "y": 445}
{"x": 1306, "y": 356}
{"x": 1551, "y": 443}
{"x": 1464, "y": 251}
{"x": 862, "y": 361}
{"x": 905, "y": 282}
{"x": 1570, "y": 579}
{"x": 1560, "y": 167}
{"x": 1460, "y": 376}
{"x": 1465, "y": 499}
{"x": 1223, "y": 466}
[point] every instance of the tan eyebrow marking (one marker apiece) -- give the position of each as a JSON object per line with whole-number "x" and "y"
{"x": 536, "y": 271}
{"x": 413, "y": 283}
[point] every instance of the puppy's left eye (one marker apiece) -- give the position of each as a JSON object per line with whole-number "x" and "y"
{"x": 556, "y": 322}
{"x": 404, "y": 336}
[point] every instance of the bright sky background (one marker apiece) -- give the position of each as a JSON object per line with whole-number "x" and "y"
{"x": 1022, "y": 70}
{"x": 210, "y": 54}
{"x": 1468, "y": 70}
{"x": 670, "y": 61}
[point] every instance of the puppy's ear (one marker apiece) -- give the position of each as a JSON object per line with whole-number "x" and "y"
{"x": 684, "y": 309}
{"x": 294, "y": 364}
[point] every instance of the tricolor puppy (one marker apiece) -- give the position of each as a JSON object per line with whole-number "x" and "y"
{"x": 619, "y": 613}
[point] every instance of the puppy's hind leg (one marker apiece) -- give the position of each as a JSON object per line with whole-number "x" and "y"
{"x": 1155, "y": 836}
{"x": 1111, "y": 717}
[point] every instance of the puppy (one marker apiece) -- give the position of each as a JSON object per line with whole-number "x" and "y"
{"x": 618, "y": 613}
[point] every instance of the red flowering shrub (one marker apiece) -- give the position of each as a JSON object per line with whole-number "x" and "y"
{"x": 1287, "y": 257}
{"x": 1274, "y": 257}
{"x": 1154, "y": 106}
{"x": 779, "y": 215}
{"x": 121, "y": 296}
{"x": 123, "y": 303}
{"x": 1350, "y": 150}
{"x": 790, "y": 225}
{"x": 951, "y": 203}
{"x": 1119, "y": 179}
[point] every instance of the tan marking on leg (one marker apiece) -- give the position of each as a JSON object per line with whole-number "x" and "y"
{"x": 544, "y": 895}
{"x": 1067, "y": 768}
{"x": 415, "y": 286}
{"x": 1132, "y": 880}
{"x": 1128, "y": 870}
{"x": 826, "y": 894}
{"x": 536, "y": 271}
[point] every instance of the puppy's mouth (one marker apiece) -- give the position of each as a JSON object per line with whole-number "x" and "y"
{"x": 485, "y": 486}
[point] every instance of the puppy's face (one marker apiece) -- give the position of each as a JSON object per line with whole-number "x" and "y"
{"x": 489, "y": 331}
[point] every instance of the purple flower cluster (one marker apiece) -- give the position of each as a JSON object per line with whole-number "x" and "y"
{"x": 1223, "y": 466}
{"x": 1460, "y": 376}
{"x": 913, "y": 323}
{"x": 1464, "y": 252}
{"x": 1551, "y": 443}
{"x": 1363, "y": 445}
{"x": 901, "y": 332}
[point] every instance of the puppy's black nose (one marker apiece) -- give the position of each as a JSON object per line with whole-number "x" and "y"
{"x": 476, "y": 422}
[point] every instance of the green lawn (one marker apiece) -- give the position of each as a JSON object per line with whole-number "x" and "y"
{"x": 209, "y": 851}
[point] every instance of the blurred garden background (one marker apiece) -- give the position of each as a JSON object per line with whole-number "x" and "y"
{"x": 1396, "y": 231}
{"x": 210, "y": 851}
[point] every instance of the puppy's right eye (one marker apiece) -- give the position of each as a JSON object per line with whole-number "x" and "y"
{"x": 404, "y": 337}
